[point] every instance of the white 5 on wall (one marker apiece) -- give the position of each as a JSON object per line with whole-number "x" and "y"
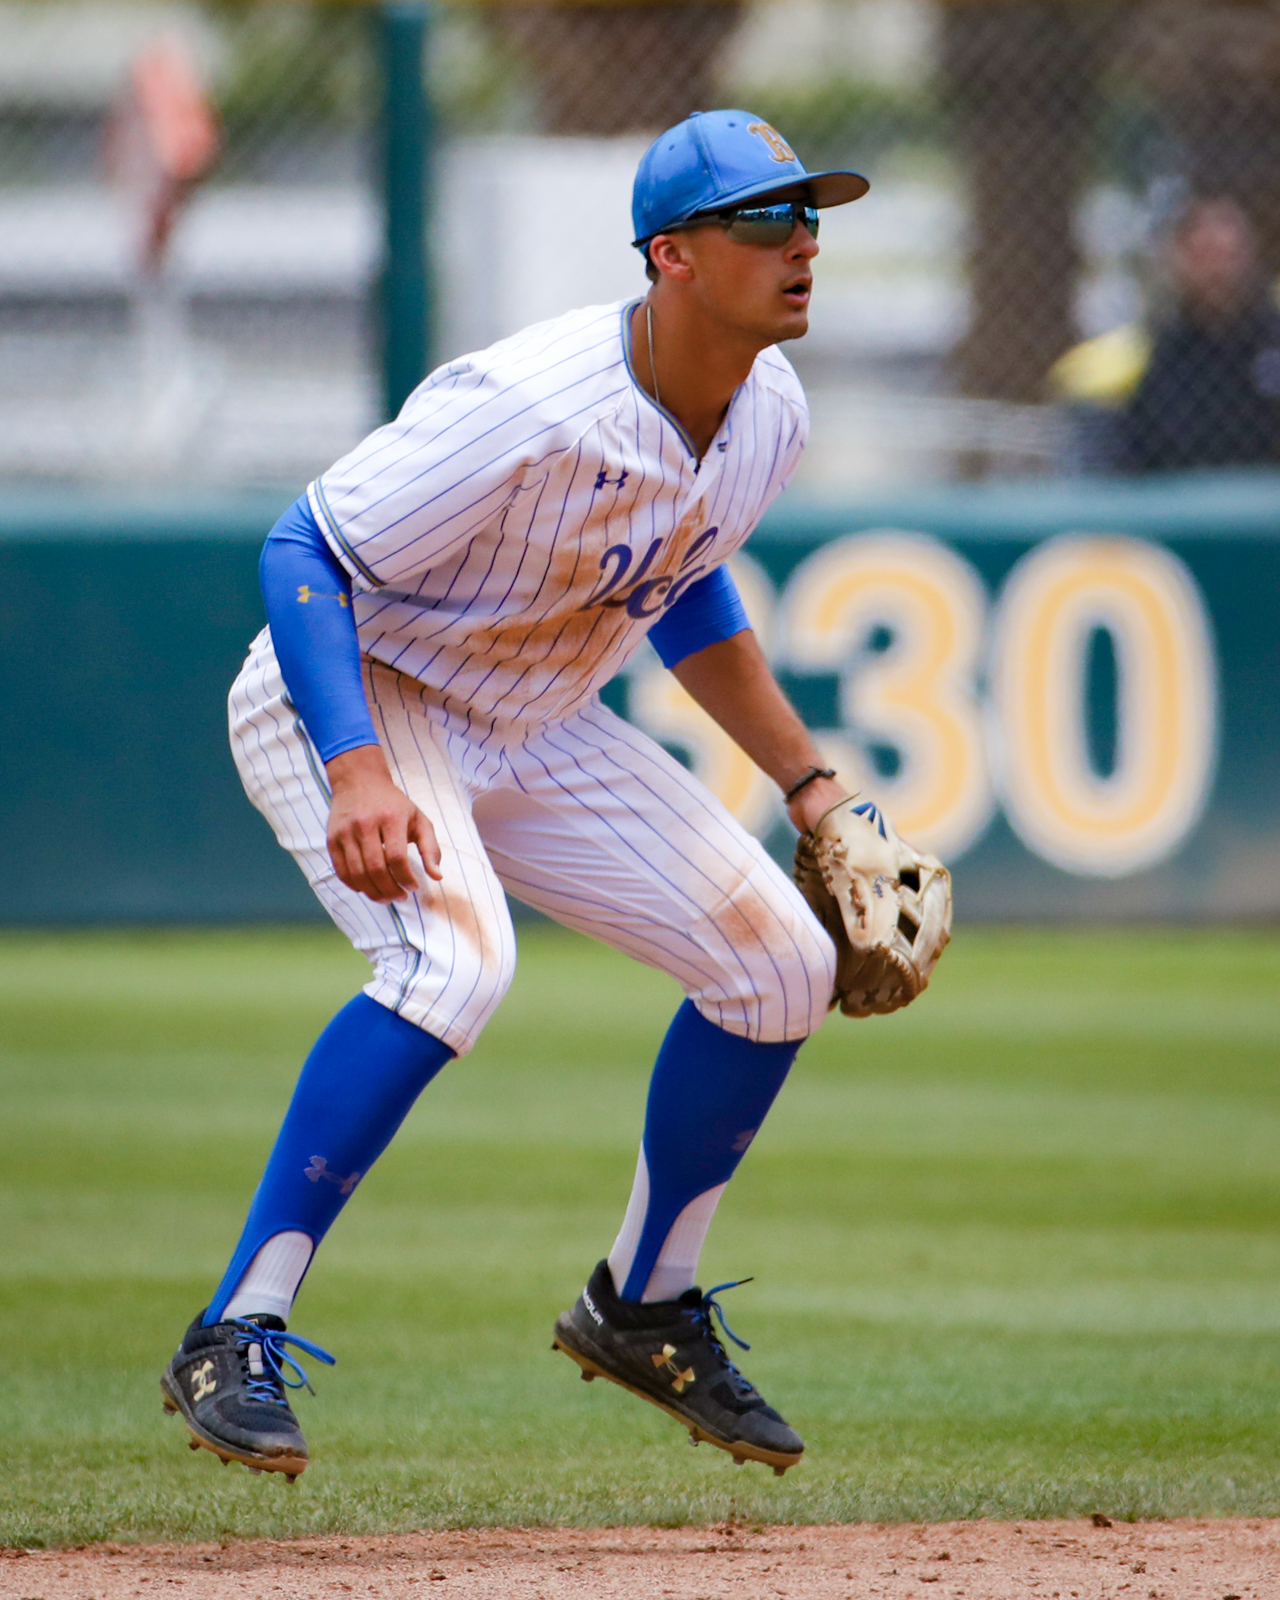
{"x": 1054, "y": 600}
{"x": 904, "y": 624}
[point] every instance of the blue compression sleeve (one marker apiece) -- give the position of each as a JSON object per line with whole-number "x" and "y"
{"x": 308, "y": 599}
{"x": 363, "y": 1074}
{"x": 707, "y": 612}
{"x": 709, "y": 1093}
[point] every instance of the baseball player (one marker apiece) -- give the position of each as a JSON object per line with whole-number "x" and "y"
{"x": 420, "y": 724}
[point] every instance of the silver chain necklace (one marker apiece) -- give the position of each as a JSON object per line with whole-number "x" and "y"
{"x": 653, "y": 371}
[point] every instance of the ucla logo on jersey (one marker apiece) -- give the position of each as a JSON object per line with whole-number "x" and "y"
{"x": 641, "y": 595}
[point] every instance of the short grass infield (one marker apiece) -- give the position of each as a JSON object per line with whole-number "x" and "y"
{"x": 1016, "y": 1251}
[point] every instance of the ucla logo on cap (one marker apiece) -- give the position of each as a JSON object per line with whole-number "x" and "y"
{"x": 778, "y": 146}
{"x": 716, "y": 159}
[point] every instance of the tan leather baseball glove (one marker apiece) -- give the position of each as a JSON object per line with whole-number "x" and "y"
{"x": 886, "y": 905}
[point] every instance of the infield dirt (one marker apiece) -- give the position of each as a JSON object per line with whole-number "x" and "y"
{"x": 1183, "y": 1560}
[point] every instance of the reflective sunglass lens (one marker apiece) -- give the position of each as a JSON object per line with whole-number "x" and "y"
{"x": 771, "y": 225}
{"x": 760, "y": 230}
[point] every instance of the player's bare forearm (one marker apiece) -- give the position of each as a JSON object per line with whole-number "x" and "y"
{"x": 734, "y": 684}
{"x": 372, "y": 825}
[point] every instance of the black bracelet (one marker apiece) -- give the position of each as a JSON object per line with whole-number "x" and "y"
{"x": 813, "y": 772}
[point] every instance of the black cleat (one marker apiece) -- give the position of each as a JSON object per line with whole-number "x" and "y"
{"x": 228, "y": 1381}
{"x": 668, "y": 1352}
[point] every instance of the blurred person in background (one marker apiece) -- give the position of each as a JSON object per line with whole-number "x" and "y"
{"x": 1202, "y": 387}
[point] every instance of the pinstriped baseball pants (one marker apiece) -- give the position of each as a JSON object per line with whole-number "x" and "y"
{"x": 587, "y": 820}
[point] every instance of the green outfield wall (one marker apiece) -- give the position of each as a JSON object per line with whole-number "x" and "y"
{"x": 1072, "y": 692}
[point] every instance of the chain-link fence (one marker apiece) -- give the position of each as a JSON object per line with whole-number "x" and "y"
{"x": 1065, "y": 263}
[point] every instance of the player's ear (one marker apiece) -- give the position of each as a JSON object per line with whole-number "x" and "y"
{"x": 671, "y": 256}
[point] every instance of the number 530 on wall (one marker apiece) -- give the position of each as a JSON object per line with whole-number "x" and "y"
{"x": 950, "y": 707}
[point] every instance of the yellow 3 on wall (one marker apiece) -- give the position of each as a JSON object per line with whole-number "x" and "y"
{"x": 983, "y": 698}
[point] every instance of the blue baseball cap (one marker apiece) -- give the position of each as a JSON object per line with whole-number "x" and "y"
{"x": 715, "y": 159}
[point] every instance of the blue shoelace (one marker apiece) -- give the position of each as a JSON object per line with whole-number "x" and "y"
{"x": 710, "y": 1304}
{"x": 702, "y": 1316}
{"x": 270, "y": 1384}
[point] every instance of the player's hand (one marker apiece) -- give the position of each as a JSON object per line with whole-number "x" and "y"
{"x": 372, "y": 825}
{"x": 814, "y": 801}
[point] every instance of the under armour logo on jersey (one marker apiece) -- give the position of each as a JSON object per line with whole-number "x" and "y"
{"x": 642, "y": 595}
{"x": 202, "y": 1381}
{"x": 602, "y": 478}
{"x": 779, "y": 149}
{"x": 679, "y": 1378}
{"x": 306, "y": 594}
{"x": 318, "y": 1168}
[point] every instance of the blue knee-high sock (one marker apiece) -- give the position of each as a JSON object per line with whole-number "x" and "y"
{"x": 709, "y": 1094}
{"x": 363, "y": 1074}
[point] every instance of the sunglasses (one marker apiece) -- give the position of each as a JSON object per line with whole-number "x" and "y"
{"x": 765, "y": 225}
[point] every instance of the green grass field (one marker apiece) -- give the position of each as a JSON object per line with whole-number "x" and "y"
{"x": 1016, "y": 1250}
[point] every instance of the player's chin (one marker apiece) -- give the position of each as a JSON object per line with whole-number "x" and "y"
{"x": 793, "y": 302}
{"x": 793, "y": 323}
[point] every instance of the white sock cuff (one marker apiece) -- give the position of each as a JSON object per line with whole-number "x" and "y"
{"x": 676, "y": 1268}
{"x": 624, "y": 1246}
{"x": 271, "y": 1281}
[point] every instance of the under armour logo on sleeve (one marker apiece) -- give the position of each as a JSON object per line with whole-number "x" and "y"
{"x": 318, "y": 1168}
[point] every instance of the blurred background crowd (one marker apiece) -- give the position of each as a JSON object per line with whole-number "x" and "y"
{"x": 1066, "y": 264}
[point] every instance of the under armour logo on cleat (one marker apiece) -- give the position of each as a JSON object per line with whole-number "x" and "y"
{"x": 318, "y": 1168}
{"x": 678, "y": 1379}
{"x": 202, "y": 1381}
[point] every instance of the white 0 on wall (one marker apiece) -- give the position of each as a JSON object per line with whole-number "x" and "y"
{"x": 1054, "y": 601}
{"x": 900, "y": 618}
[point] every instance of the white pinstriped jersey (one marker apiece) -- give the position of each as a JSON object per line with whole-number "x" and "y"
{"x": 527, "y": 517}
